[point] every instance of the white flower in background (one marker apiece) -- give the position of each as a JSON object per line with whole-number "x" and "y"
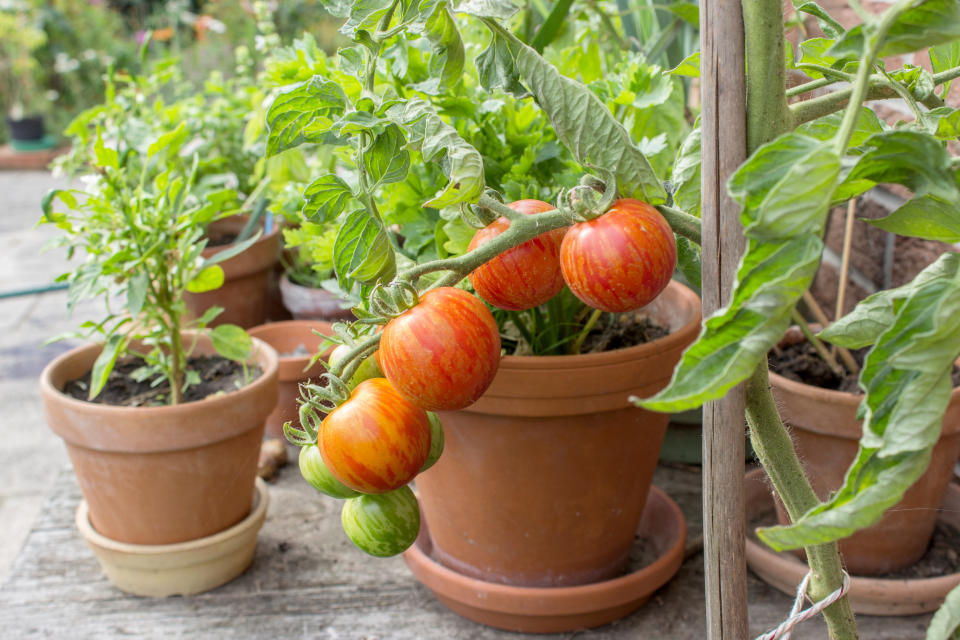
{"x": 52, "y": 95}
{"x": 89, "y": 54}
{"x": 63, "y": 63}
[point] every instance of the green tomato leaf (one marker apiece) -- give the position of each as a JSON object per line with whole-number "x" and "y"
{"x": 945, "y": 56}
{"x": 337, "y": 8}
{"x": 906, "y": 377}
{"x": 386, "y": 161}
{"x": 828, "y": 25}
{"x": 325, "y": 198}
{"x": 689, "y": 261}
{"x": 583, "y": 123}
{"x": 208, "y": 279}
{"x": 924, "y": 217}
{"x": 105, "y": 362}
{"x": 942, "y": 122}
{"x": 687, "y": 11}
{"x": 303, "y": 113}
{"x": 497, "y": 9}
{"x": 946, "y": 620}
{"x": 496, "y": 68}
{"x": 364, "y": 16}
{"x": 686, "y": 175}
{"x": 232, "y": 342}
{"x": 437, "y": 141}
{"x": 690, "y": 66}
{"x": 362, "y": 251}
{"x": 785, "y": 188}
{"x": 826, "y": 128}
{"x": 911, "y": 158}
{"x": 447, "y": 55}
{"x": 929, "y": 23}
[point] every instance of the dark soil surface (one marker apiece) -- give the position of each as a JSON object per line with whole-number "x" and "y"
{"x": 627, "y": 330}
{"x": 217, "y": 375}
{"x": 801, "y": 362}
{"x": 942, "y": 557}
{"x": 221, "y": 239}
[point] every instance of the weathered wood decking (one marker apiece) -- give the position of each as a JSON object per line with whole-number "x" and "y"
{"x": 308, "y": 581}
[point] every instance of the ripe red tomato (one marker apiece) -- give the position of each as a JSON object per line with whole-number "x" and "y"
{"x": 444, "y": 352}
{"x": 377, "y": 440}
{"x": 621, "y": 260}
{"x": 525, "y": 276}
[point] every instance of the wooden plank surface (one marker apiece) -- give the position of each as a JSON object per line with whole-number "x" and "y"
{"x": 308, "y": 581}
{"x": 724, "y": 136}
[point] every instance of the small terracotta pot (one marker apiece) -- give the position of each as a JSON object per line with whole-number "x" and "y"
{"x": 826, "y": 432}
{"x": 245, "y": 292}
{"x": 286, "y": 337}
{"x": 308, "y": 303}
{"x": 869, "y": 596}
{"x": 543, "y": 480}
{"x": 167, "y": 474}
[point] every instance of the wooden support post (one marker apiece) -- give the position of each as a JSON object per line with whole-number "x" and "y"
{"x": 723, "y": 122}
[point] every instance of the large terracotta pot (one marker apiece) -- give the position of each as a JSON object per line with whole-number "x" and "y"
{"x": 309, "y": 303}
{"x": 543, "y": 480}
{"x": 167, "y": 474}
{"x": 286, "y": 337}
{"x": 245, "y": 292}
{"x": 826, "y": 432}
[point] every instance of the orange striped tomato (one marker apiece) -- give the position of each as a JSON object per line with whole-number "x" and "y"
{"x": 621, "y": 260}
{"x": 444, "y": 352}
{"x": 525, "y": 276}
{"x": 377, "y": 440}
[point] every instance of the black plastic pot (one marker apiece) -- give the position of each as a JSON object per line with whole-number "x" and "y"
{"x": 29, "y": 129}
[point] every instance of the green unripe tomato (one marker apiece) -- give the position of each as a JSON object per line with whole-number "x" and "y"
{"x": 382, "y": 524}
{"x": 316, "y": 473}
{"x": 436, "y": 441}
{"x": 367, "y": 369}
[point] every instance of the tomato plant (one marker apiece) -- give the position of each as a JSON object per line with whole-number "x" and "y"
{"x": 315, "y": 472}
{"x": 443, "y": 352}
{"x": 382, "y": 525}
{"x": 377, "y": 440}
{"x": 436, "y": 441}
{"x": 369, "y": 368}
{"x": 621, "y": 260}
{"x": 524, "y": 276}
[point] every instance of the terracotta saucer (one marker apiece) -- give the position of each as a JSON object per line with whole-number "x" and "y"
{"x": 184, "y": 568}
{"x": 870, "y": 596}
{"x": 552, "y": 610}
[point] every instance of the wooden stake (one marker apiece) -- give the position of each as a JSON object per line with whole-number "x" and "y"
{"x": 723, "y": 122}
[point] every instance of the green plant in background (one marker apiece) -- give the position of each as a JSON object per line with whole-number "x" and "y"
{"x": 140, "y": 225}
{"x": 22, "y": 78}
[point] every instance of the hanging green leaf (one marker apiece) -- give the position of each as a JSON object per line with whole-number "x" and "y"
{"x": 386, "y": 160}
{"x": 303, "y": 113}
{"x": 104, "y": 156}
{"x": 689, "y": 261}
{"x": 686, "y": 175}
{"x": 362, "y": 251}
{"x": 783, "y": 224}
{"x": 137, "y": 292}
{"x": 583, "y": 123}
{"x": 945, "y": 56}
{"x": 827, "y": 23}
{"x": 364, "y": 15}
{"x": 906, "y": 376}
{"x": 911, "y": 158}
{"x": 926, "y": 217}
{"x": 437, "y": 141}
{"x": 942, "y": 122}
{"x": 104, "y": 363}
{"x": 232, "y": 342}
{"x": 497, "y": 70}
{"x": 826, "y": 128}
{"x": 690, "y": 66}
{"x": 447, "y": 55}
{"x": 325, "y": 198}
{"x": 208, "y": 279}
{"x": 927, "y": 24}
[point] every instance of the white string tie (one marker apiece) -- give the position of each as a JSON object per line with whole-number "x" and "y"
{"x": 797, "y": 616}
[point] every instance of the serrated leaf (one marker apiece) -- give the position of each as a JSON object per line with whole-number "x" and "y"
{"x": 929, "y": 23}
{"x": 232, "y": 342}
{"x": 686, "y": 174}
{"x": 926, "y": 217}
{"x": 827, "y": 23}
{"x": 362, "y": 251}
{"x": 826, "y": 128}
{"x": 584, "y": 124}
{"x": 208, "y": 279}
{"x": 447, "y": 57}
{"x": 911, "y": 158}
{"x": 906, "y": 377}
{"x": 690, "y": 66}
{"x": 386, "y": 160}
{"x": 303, "y": 113}
{"x": 942, "y": 123}
{"x": 946, "y": 620}
{"x": 945, "y": 56}
{"x": 351, "y": 60}
{"x": 337, "y": 8}
{"x": 785, "y": 188}
{"x": 437, "y": 141}
{"x": 689, "y": 261}
{"x": 325, "y": 198}
{"x": 496, "y": 68}
{"x": 364, "y": 16}
{"x": 104, "y": 363}
{"x": 497, "y": 9}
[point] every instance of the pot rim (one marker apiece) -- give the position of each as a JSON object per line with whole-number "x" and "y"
{"x": 263, "y": 354}
{"x": 292, "y": 326}
{"x": 266, "y": 237}
{"x": 686, "y": 297}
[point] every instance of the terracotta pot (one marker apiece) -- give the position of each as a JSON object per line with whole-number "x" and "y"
{"x": 869, "y": 596}
{"x": 309, "y": 303}
{"x": 543, "y": 480}
{"x": 826, "y": 433}
{"x": 286, "y": 337}
{"x": 245, "y": 292}
{"x": 167, "y": 474}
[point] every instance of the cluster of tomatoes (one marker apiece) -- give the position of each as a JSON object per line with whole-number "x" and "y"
{"x": 442, "y": 354}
